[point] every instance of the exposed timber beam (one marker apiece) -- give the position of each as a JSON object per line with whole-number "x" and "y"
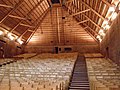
{"x": 85, "y": 27}
{"x": 17, "y": 17}
{"x": 23, "y": 34}
{"x": 91, "y": 34}
{"x": 38, "y": 4}
{"x": 27, "y": 25}
{"x": 50, "y": 3}
{"x": 68, "y": 1}
{"x": 93, "y": 30}
{"x": 89, "y": 27}
{"x": 37, "y": 26}
{"x": 83, "y": 21}
{"x": 26, "y": 16}
{"x": 16, "y": 6}
{"x": 6, "y": 6}
{"x": 106, "y": 2}
{"x": 80, "y": 12}
{"x": 93, "y": 10}
{"x": 30, "y": 30}
{"x": 91, "y": 21}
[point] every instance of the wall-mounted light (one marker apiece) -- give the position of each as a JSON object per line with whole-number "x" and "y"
{"x": 119, "y": 5}
{"x": 107, "y": 27}
{"x": 20, "y": 41}
{"x": 105, "y": 21}
{"x": 101, "y": 32}
{"x": 112, "y": 8}
{"x": 1, "y": 32}
{"x": 111, "y": 15}
{"x": 99, "y": 38}
{"x": 10, "y": 36}
{"x": 114, "y": 15}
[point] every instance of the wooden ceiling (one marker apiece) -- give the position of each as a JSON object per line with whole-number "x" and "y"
{"x": 23, "y": 17}
{"x": 93, "y": 14}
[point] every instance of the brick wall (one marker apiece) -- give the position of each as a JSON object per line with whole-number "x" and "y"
{"x": 111, "y": 42}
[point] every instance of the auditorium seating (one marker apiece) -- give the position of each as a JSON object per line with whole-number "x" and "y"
{"x": 4, "y": 61}
{"x": 38, "y": 73}
{"x": 26, "y": 55}
{"x": 103, "y": 73}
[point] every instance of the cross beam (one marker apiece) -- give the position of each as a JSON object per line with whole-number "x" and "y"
{"x": 6, "y": 6}
{"x": 27, "y": 25}
{"x": 26, "y": 15}
{"x": 92, "y": 10}
{"x": 83, "y": 21}
{"x": 16, "y": 6}
{"x": 91, "y": 21}
{"x": 80, "y": 12}
{"x": 37, "y": 26}
{"x": 17, "y": 17}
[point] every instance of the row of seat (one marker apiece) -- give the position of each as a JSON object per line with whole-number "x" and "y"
{"x": 104, "y": 74}
{"x": 26, "y": 55}
{"x": 79, "y": 79}
{"x": 37, "y": 73}
{"x": 5, "y": 61}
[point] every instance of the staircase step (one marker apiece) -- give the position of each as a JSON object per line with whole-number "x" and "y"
{"x": 79, "y": 79}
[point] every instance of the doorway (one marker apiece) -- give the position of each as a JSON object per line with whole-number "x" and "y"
{"x": 56, "y": 50}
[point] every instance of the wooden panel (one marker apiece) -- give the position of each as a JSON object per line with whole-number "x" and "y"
{"x": 57, "y": 30}
{"x": 10, "y": 22}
